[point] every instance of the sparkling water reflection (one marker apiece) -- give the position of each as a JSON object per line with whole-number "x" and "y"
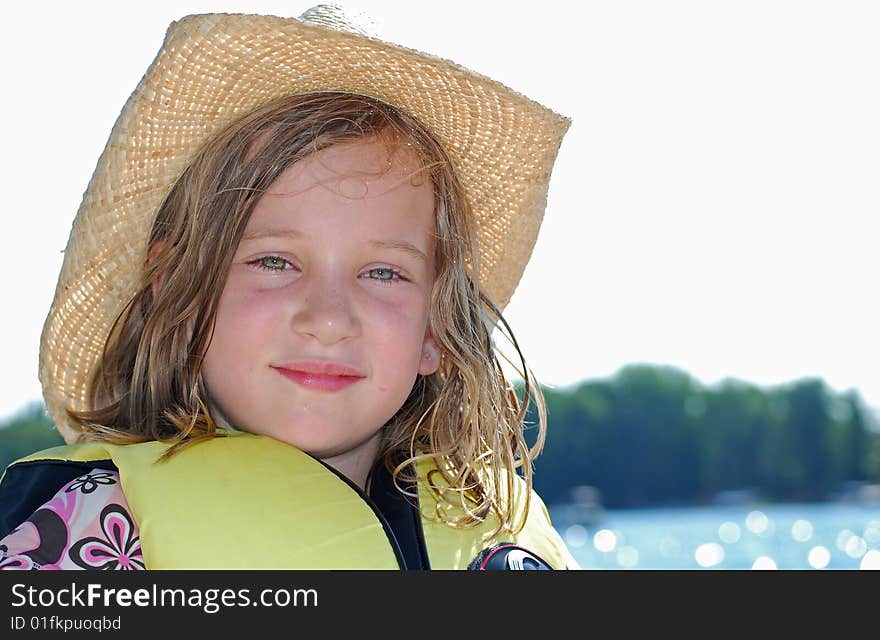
{"x": 777, "y": 536}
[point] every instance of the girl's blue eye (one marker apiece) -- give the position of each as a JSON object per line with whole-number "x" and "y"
{"x": 270, "y": 263}
{"x": 384, "y": 275}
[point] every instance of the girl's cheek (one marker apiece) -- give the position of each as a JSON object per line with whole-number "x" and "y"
{"x": 403, "y": 309}
{"x": 242, "y": 285}
{"x": 245, "y": 306}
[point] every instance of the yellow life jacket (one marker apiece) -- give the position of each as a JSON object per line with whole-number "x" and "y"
{"x": 252, "y": 502}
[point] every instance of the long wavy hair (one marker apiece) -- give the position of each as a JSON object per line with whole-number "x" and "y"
{"x": 466, "y": 417}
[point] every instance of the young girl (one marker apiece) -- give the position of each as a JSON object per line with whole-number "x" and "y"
{"x": 270, "y": 345}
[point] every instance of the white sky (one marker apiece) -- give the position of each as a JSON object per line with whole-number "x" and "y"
{"x": 714, "y": 205}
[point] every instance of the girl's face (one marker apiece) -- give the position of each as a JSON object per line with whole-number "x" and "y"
{"x": 322, "y": 326}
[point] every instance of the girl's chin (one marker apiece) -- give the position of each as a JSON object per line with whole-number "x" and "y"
{"x": 319, "y": 437}
{"x": 314, "y": 443}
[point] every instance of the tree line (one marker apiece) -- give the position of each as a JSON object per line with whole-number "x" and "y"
{"x": 653, "y": 435}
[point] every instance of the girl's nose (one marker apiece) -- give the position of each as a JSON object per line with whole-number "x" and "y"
{"x": 325, "y": 312}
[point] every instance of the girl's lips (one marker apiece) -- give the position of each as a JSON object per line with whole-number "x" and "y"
{"x": 318, "y": 381}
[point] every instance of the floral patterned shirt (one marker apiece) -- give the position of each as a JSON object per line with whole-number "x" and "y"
{"x": 86, "y": 525}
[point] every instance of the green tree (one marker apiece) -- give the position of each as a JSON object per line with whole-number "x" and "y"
{"x": 27, "y": 431}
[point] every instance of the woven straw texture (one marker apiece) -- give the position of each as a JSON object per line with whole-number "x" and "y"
{"x": 213, "y": 68}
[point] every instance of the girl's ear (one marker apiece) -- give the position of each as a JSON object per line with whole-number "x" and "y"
{"x": 430, "y": 361}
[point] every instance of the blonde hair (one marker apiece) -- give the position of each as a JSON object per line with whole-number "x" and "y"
{"x": 466, "y": 417}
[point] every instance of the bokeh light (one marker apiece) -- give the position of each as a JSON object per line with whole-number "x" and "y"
{"x": 627, "y": 557}
{"x": 807, "y": 538}
{"x": 757, "y": 522}
{"x": 576, "y": 536}
{"x": 604, "y": 540}
{"x": 870, "y": 560}
{"x": 764, "y": 563}
{"x": 709, "y": 554}
{"x": 819, "y": 557}
{"x": 871, "y": 534}
{"x": 801, "y": 530}
{"x": 855, "y": 547}
{"x": 842, "y": 538}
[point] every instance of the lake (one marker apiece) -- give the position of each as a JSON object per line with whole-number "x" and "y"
{"x": 831, "y": 535}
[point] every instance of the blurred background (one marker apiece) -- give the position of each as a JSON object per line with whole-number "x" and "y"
{"x": 701, "y": 305}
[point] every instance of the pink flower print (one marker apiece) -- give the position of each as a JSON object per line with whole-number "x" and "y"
{"x": 90, "y": 481}
{"x": 119, "y": 549}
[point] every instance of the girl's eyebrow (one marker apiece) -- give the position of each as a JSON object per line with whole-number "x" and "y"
{"x": 399, "y": 245}
{"x": 271, "y": 233}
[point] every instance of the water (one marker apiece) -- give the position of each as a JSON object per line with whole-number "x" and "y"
{"x": 767, "y": 536}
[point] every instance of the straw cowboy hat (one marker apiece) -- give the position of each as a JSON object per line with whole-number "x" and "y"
{"x": 213, "y": 68}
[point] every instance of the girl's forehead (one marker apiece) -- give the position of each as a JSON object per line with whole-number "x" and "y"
{"x": 353, "y": 171}
{"x": 351, "y": 164}
{"x": 351, "y": 188}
